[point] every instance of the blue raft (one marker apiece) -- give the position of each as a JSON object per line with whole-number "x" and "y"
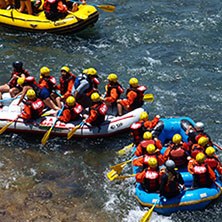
{"x": 190, "y": 199}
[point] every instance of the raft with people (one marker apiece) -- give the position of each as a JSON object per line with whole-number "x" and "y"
{"x": 112, "y": 125}
{"x": 86, "y": 16}
{"x": 189, "y": 199}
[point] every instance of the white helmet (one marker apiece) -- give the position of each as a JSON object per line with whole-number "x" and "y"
{"x": 199, "y": 126}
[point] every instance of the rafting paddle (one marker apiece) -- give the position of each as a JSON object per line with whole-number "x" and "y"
{"x": 124, "y": 177}
{"x": 217, "y": 146}
{"x": 72, "y": 132}
{"x": 125, "y": 149}
{"x": 79, "y": 15}
{"x": 46, "y": 135}
{"x": 148, "y": 97}
{"x": 2, "y": 130}
{"x": 148, "y": 214}
{"x": 106, "y": 8}
{"x": 116, "y": 170}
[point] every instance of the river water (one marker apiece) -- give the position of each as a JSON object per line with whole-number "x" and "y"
{"x": 172, "y": 47}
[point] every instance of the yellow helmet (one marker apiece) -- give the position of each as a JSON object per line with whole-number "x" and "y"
{"x": 144, "y": 116}
{"x": 84, "y": 71}
{"x": 95, "y": 97}
{"x": 177, "y": 138}
{"x": 147, "y": 135}
{"x": 65, "y": 68}
{"x": 91, "y": 71}
{"x": 30, "y": 94}
{"x": 210, "y": 151}
{"x": 200, "y": 157}
{"x": 203, "y": 141}
{"x": 45, "y": 71}
{"x": 134, "y": 82}
{"x": 150, "y": 149}
{"x": 20, "y": 80}
{"x": 112, "y": 77}
{"x": 152, "y": 162}
{"x": 70, "y": 101}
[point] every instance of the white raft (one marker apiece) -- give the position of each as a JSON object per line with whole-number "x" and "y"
{"x": 112, "y": 124}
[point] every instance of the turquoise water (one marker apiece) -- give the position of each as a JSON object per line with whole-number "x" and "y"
{"x": 172, "y": 47}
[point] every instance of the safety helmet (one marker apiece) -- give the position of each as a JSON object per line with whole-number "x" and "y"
{"x": 144, "y": 116}
{"x": 20, "y": 80}
{"x": 200, "y": 157}
{"x": 70, "y": 101}
{"x": 134, "y": 82}
{"x": 84, "y": 71}
{"x": 30, "y": 94}
{"x": 95, "y": 97}
{"x": 45, "y": 71}
{"x": 17, "y": 65}
{"x": 203, "y": 141}
{"x": 152, "y": 162}
{"x": 150, "y": 149}
{"x": 147, "y": 135}
{"x": 65, "y": 68}
{"x": 112, "y": 77}
{"x": 199, "y": 126}
{"x": 170, "y": 164}
{"x": 210, "y": 151}
{"x": 91, "y": 71}
{"x": 177, "y": 138}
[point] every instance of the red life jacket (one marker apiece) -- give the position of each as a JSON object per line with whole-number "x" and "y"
{"x": 212, "y": 162}
{"x": 101, "y": 109}
{"x": 75, "y": 111}
{"x": 116, "y": 86}
{"x": 13, "y": 80}
{"x": 201, "y": 174}
{"x": 138, "y": 129}
{"x": 138, "y": 101}
{"x": 30, "y": 81}
{"x": 51, "y": 82}
{"x": 196, "y": 148}
{"x": 64, "y": 81}
{"x": 37, "y": 107}
{"x": 151, "y": 180}
{"x": 178, "y": 155}
{"x": 51, "y": 6}
{"x": 144, "y": 145}
{"x": 93, "y": 85}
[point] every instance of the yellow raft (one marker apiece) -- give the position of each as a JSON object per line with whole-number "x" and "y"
{"x": 86, "y": 16}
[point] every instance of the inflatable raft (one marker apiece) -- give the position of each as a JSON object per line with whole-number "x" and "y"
{"x": 86, "y": 16}
{"x": 190, "y": 199}
{"x": 112, "y": 124}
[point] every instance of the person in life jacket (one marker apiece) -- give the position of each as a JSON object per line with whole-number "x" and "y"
{"x": 85, "y": 84}
{"x": 67, "y": 80}
{"x": 75, "y": 5}
{"x": 200, "y": 147}
{"x": 194, "y": 134}
{"x": 171, "y": 180}
{"x": 97, "y": 111}
{"x": 41, "y": 92}
{"x": 12, "y": 86}
{"x": 149, "y": 178}
{"x": 33, "y": 107}
{"x": 151, "y": 150}
{"x": 212, "y": 160}
{"x": 147, "y": 139}
{"x": 178, "y": 151}
{"x": 113, "y": 90}
{"x": 72, "y": 110}
{"x": 134, "y": 95}
{"x": 138, "y": 128}
{"x": 203, "y": 175}
{"x": 55, "y": 9}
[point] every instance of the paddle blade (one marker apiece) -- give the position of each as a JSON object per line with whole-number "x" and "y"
{"x": 46, "y": 136}
{"x": 126, "y": 149}
{"x": 79, "y": 15}
{"x": 148, "y": 214}
{"x": 5, "y": 127}
{"x": 148, "y": 98}
{"x": 72, "y": 132}
{"x": 112, "y": 175}
{"x": 107, "y": 8}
